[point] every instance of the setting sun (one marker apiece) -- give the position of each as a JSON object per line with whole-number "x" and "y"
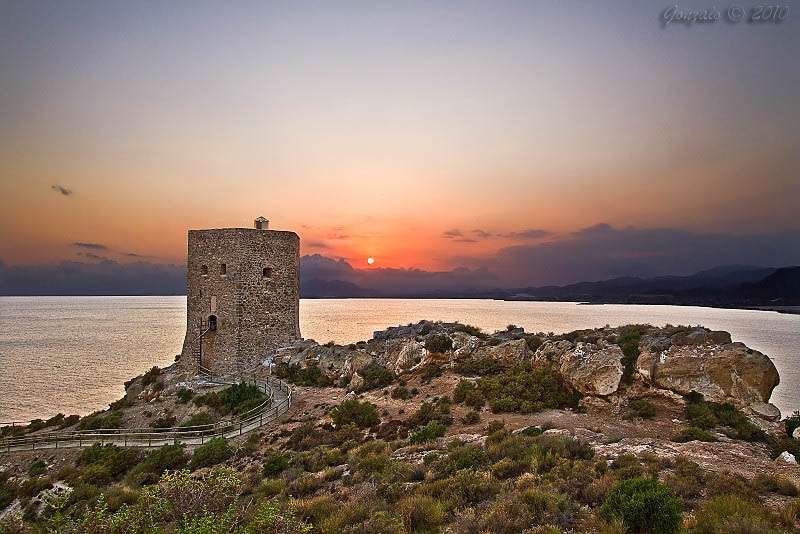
{"x": 370, "y": 260}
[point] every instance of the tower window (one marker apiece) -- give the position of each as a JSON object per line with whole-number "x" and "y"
{"x": 223, "y": 268}
{"x": 204, "y": 270}
{"x": 266, "y": 273}
{"x": 212, "y": 323}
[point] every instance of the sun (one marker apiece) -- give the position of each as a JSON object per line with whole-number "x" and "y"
{"x": 370, "y": 260}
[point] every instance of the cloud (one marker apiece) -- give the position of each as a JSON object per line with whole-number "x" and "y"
{"x": 483, "y": 234}
{"x": 458, "y": 236}
{"x": 530, "y": 233}
{"x": 89, "y": 246}
{"x": 61, "y": 189}
{"x": 601, "y": 252}
{"x": 93, "y": 256}
{"x": 321, "y": 245}
{"x": 95, "y": 278}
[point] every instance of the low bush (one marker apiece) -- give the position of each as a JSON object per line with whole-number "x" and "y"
{"x": 375, "y": 377}
{"x": 472, "y": 417}
{"x": 401, "y": 393}
{"x": 429, "y": 432}
{"x": 37, "y": 467}
{"x": 238, "y": 398}
{"x": 421, "y": 513}
{"x": 688, "y": 479}
{"x": 438, "y": 343}
{"x": 643, "y": 505}
{"x": 486, "y": 366}
{"x": 159, "y": 461}
{"x": 732, "y": 514}
{"x": 199, "y": 419}
{"x": 163, "y": 422}
{"x": 311, "y": 376}
{"x": 527, "y": 389}
{"x": 106, "y": 462}
{"x": 628, "y": 342}
{"x": 151, "y": 376}
{"x": 184, "y": 395}
{"x": 438, "y": 411}
{"x": 352, "y": 411}
{"x": 693, "y": 433}
{"x": 98, "y": 421}
{"x": 275, "y": 462}
{"x": 775, "y": 484}
{"x": 467, "y": 391}
{"x": 707, "y": 415}
{"x": 471, "y": 330}
{"x": 214, "y": 452}
{"x": 640, "y": 408}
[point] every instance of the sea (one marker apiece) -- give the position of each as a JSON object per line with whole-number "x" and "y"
{"x": 72, "y": 355}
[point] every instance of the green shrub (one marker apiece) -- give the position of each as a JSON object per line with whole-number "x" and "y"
{"x": 401, "y": 393}
{"x": 270, "y": 516}
{"x": 640, "y": 408}
{"x": 466, "y": 487}
{"x": 429, "y": 432}
{"x": 438, "y": 343}
{"x": 311, "y": 376}
{"x": 688, "y": 479}
{"x": 97, "y": 421}
{"x": 526, "y": 389}
{"x": 275, "y": 462}
{"x": 707, "y": 415}
{"x": 725, "y": 514}
{"x": 472, "y": 417}
{"x": 421, "y": 513}
{"x": 438, "y": 411}
{"x": 629, "y": 344}
{"x": 775, "y": 484}
{"x": 471, "y": 330}
{"x": 184, "y": 395}
{"x": 375, "y": 377}
{"x": 305, "y": 484}
{"x": 693, "y": 433}
{"x": 163, "y": 422}
{"x": 238, "y": 398}
{"x": 362, "y": 414}
{"x": 37, "y": 467}
{"x": 199, "y": 419}
{"x": 151, "y": 376}
{"x": 214, "y": 452}
{"x": 105, "y": 462}
{"x": 69, "y": 421}
{"x": 485, "y": 366}
{"x": 643, "y": 505}
{"x": 160, "y": 460}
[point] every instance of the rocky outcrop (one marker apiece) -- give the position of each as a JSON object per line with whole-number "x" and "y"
{"x": 708, "y": 363}
{"x": 592, "y": 369}
{"x": 552, "y": 351}
{"x": 507, "y": 353}
{"x": 404, "y": 354}
{"x": 720, "y": 373}
{"x": 766, "y": 411}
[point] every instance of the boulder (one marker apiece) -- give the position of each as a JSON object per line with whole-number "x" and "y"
{"x": 464, "y": 345}
{"x": 551, "y": 351}
{"x": 509, "y": 352}
{"x": 765, "y": 410}
{"x": 700, "y": 336}
{"x": 796, "y": 433}
{"x": 356, "y": 382}
{"x": 727, "y": 372}
{"x": 593, "y": 369}
{"x": 786, "y": 457}
{"x": 357, "y": 361}
{"x": 404, "y": 354}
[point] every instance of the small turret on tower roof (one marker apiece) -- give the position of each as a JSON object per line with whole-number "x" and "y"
{"x": 262, "y": 223}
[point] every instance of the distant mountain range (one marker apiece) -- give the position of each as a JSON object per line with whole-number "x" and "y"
{"x": 725, "y": 286}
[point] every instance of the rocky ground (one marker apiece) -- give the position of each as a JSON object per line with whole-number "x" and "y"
{"x": 572, "y": 417}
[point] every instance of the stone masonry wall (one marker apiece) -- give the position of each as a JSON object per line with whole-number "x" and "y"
{"x": 255, "y": 313}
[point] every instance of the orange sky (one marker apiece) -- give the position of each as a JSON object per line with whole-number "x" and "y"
{"x": 372, "y": 130}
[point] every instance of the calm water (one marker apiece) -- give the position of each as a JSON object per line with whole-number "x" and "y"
{"x": 72, "y": 354}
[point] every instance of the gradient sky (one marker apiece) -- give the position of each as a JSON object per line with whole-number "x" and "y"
{"x": 425, "y": 134}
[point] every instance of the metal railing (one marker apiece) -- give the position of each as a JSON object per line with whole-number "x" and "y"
{"x": 250, "y": 420}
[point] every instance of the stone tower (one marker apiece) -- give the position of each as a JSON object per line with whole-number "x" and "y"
{"x": 242, "y": 296}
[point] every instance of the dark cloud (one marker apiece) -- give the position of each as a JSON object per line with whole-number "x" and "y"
{"x": 530, "y": 233}
{"x": 321, "y": 245}
{"x": 93, "y": 256}
{"x": 482, "y": 234}
{"x": 457, "y": 236}
{"x": 601, "y": 251}
{"x": 89, "y": 246}
{"x": 103, "y": 277}
{"x": 61, "y": 189}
